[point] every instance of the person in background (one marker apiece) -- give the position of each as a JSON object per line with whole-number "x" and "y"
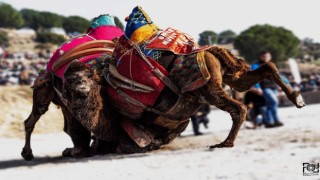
{"x": 269, "y": 90}
{"x": 256, "y": 104}
{"x": 200, "y": 117}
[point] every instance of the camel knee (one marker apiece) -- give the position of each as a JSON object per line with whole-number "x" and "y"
{"x": 243, "y": 110}
{"x": 239, "y": 113}
{"x": 41, "y": 109}
{"x": 28, "y": 125}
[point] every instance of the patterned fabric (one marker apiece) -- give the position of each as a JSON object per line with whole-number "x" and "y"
{"x": 175, "y": 41}
{"x": 129, "y": 64}
{"x": 152, "y": 53}
{"x": 139, "y": 26}
{"x": 104, "y": 32}
{"x": 190, "y": 72}
{"x": 97, "y": 63}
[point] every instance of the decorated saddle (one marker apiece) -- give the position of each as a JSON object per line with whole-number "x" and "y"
{"x": 88, "y": 48}
{"x": 137, "y": 56}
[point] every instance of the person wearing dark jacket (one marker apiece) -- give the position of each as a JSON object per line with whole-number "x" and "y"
{"x": 200, "y": 117}
{"x": 258, "y": 107}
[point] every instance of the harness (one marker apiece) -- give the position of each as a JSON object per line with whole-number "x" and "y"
{"x": 110, "y": 72}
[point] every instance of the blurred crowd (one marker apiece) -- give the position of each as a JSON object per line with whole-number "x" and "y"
{"x": 21, "y": 68}
{"x": 309, "y": 82}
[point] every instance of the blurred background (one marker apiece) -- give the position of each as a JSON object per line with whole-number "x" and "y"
{"x": 31, "y": 30}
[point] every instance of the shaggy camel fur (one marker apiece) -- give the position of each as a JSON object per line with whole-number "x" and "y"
{"x": 42, "y": 97}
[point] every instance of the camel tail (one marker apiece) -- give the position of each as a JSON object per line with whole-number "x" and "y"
{"x": 228, "y": 61}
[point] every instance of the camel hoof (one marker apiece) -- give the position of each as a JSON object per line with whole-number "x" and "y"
{"x": 299, "y": 101}
{"x": 75, "y": 152}
{"x": 221, "y": 145}
{"x": 27, "y": 154}
{"x": 67, "y": 152}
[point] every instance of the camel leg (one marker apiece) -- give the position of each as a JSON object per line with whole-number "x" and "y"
{"x": 79, "y": 135}
{"x": 268, "y": 70}
{"x": 42, "y": 97}
{"x": 215, "y": 95}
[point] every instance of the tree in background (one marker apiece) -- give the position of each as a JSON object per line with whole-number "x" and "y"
{"x": 49, "y": 20}
{"x": 226, "y": 37}
{"x": 207, "y": 38}
{"x": 4, "y": 40}
{"x": 31, "y": 18}
{"x": 73, "y": 24}
{"x": 48, "y": 37}
{"x": 9, "y": 17}
{"x": 118, "y": 22}
{"x": 281, "y": 42}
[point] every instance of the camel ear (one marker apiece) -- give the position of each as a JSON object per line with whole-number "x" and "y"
{"x": 96, "y": 76}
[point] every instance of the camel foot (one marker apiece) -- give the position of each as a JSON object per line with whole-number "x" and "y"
{"x": 297, "y": 99}
{"x": 75, "y": 152}
{"x": 27, "y": 154}
{"x": 99, "y": 147}
{"x": 221, "y": 145}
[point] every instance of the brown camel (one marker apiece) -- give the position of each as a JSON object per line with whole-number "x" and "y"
{"x": 99, "y": 116}
{"x": 223, "y": 68}
{"x": 102, "y": 119}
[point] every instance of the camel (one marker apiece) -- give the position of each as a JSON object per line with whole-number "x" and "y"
{"x": 102, "y": 118}
{"x": 223, "y": 67}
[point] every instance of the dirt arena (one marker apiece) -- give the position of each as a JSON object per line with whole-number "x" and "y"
{"x": 259, "y": 154}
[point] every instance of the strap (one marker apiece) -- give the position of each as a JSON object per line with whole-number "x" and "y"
{"x": 157, "y": 72}
{"x": 128, "y": 98}
{"x": 87, "y": 45}
{"x": 114, "y": 72}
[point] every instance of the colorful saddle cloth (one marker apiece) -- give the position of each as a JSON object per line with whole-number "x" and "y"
{"x": 189, "y": 71}
{"x": 174, "y": 41}
{"x": 101, "y": 28}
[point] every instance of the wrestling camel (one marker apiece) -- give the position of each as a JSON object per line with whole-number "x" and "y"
{"x": 98, "y": 115}
{"x": 222, "y": 66}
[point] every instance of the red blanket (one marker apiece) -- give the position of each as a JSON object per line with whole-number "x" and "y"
{"x": 130, "y": 65}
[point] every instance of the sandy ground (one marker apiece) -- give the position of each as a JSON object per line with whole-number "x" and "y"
{"x": 15, "y": 107}
{"x": 259, "y": 154}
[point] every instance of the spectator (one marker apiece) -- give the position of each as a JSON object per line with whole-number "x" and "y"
{"x": 14, "y": 71}
{"x": 256, "y": 106}
{"x": 269, "y": 90}
{"x": 200, "y": 117}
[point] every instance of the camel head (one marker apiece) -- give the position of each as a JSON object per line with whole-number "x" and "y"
{"x": 80, "y": 79}
{"x": 139, "y": 26}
